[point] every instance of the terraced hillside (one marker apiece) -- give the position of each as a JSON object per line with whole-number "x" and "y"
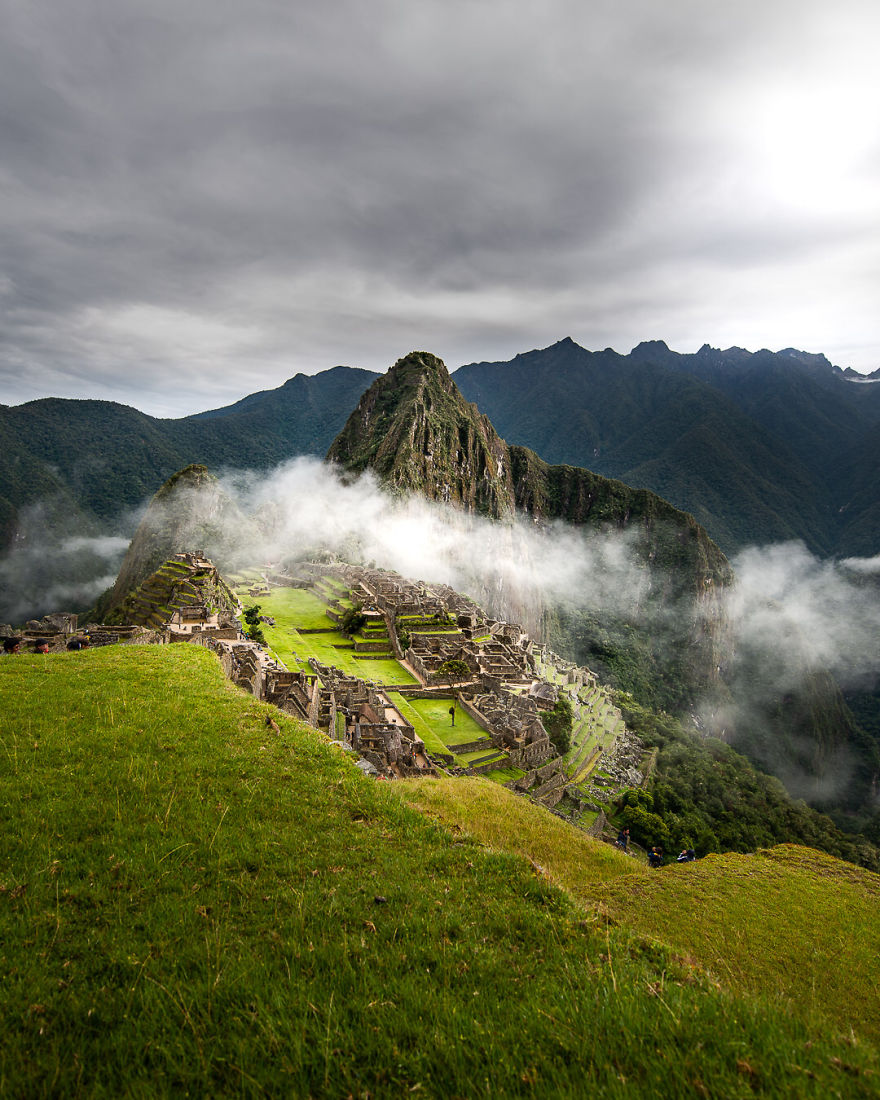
{"x": 183, "y": 581}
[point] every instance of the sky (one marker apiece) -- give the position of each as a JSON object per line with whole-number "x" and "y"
{"x": 200, "y": 200}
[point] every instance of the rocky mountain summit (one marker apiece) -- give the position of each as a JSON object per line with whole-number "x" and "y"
{"x": 418, "y": 434}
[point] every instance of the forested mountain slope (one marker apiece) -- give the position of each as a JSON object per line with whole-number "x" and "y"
{"x": 760, "y": 448}
{"x": 98, "y": 459}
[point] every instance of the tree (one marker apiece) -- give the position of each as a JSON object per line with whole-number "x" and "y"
{"x": 252, "y": 615}
{"x": 454, "y": 669}
{"x": 353, "y": 619}
{"x": 558, "y": 724}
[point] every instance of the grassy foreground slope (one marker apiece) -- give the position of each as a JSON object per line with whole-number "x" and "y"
{"x": 191, "y": 902}
{"x": 794, "y": 926}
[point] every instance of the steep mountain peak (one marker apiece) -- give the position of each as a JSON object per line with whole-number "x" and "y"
{"x": 417, "y": 432}
{"x": 648, "y": 347}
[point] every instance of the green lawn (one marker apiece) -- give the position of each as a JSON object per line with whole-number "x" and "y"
{"x": 435, "y": 713}
{"x": 433, "y": 742}
{"x": 465, "y": 758}
{"x": 504, "y": 775}
{"x": 295, "y": 608}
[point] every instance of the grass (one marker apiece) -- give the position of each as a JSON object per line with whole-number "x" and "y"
{"x": 433, "y": 742}
{"x": 435, "y": 712}
{"x": 465, "y": 758}
{"x": 504, "y": 775}
{"x": 294, "y": 609}
{"x": 789, "y": 924}
{"x": 194, "y": 904}
{"x": 495, "y": 817}
{"x": 819, "y": 926}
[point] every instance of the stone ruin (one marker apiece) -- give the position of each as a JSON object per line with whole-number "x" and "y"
{"x": 362, "y": 716}
{"x": 513, "y": 721}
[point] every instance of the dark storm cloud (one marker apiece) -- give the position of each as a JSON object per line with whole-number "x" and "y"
{"x": 200, "y": 200}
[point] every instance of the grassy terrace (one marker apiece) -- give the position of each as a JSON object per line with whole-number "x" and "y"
{"x": 192, "y": 904}
{"x": 596, "y": 726}
{"x": 295, "y": 610}
{"x": 435, "y": 712}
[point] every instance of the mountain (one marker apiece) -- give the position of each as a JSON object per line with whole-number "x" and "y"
{"x": 188, "y": 512}
{"x": 758, "y": 447}
{"x": 97, "y": 459}
{"x": 669, "y": 644}
{"x": 415, "y": 431}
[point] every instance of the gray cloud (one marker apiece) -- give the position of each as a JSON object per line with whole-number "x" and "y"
{"x": 201, "y": 200}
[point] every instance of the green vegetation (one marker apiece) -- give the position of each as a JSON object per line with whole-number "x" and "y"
{"x": 353, "y": 619}
{"x": 453, "y": 670}
{"x": 788, "y": 924}
{"x": 558, "y": 723}
{"x": 434, "y": 743}
{"x": 435, "y": 712}
{"x": 294, "y": 607}
{"x": 194, "y": 904}
{"x": 711, "y": 798}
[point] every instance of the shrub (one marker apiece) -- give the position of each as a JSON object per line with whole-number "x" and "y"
{"x": 353, "y": 619}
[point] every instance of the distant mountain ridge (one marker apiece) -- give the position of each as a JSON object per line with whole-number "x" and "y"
{"x": 96, "y": 459}
{"x": 759, "y": 447}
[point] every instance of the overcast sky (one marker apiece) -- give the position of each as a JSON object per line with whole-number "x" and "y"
{"x": 202, "y": 199}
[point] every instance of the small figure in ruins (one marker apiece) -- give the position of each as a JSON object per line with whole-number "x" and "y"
{"x": 452, "y": 713}
{"x": 11, "y": 645}
{"x": 623, "y": 839}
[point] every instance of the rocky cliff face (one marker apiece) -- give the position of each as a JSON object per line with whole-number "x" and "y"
{"x": 418, "y": 434}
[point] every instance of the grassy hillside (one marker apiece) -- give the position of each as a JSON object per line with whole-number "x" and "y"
{"x": 789, "y": 924}
{"x": 192, "y": 902}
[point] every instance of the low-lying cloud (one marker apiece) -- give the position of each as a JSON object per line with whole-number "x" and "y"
{"x": 304, "y": 506}
{"x": 790, "y": 618}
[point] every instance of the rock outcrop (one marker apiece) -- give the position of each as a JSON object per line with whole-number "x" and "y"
{"x": 418, "y": 434}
